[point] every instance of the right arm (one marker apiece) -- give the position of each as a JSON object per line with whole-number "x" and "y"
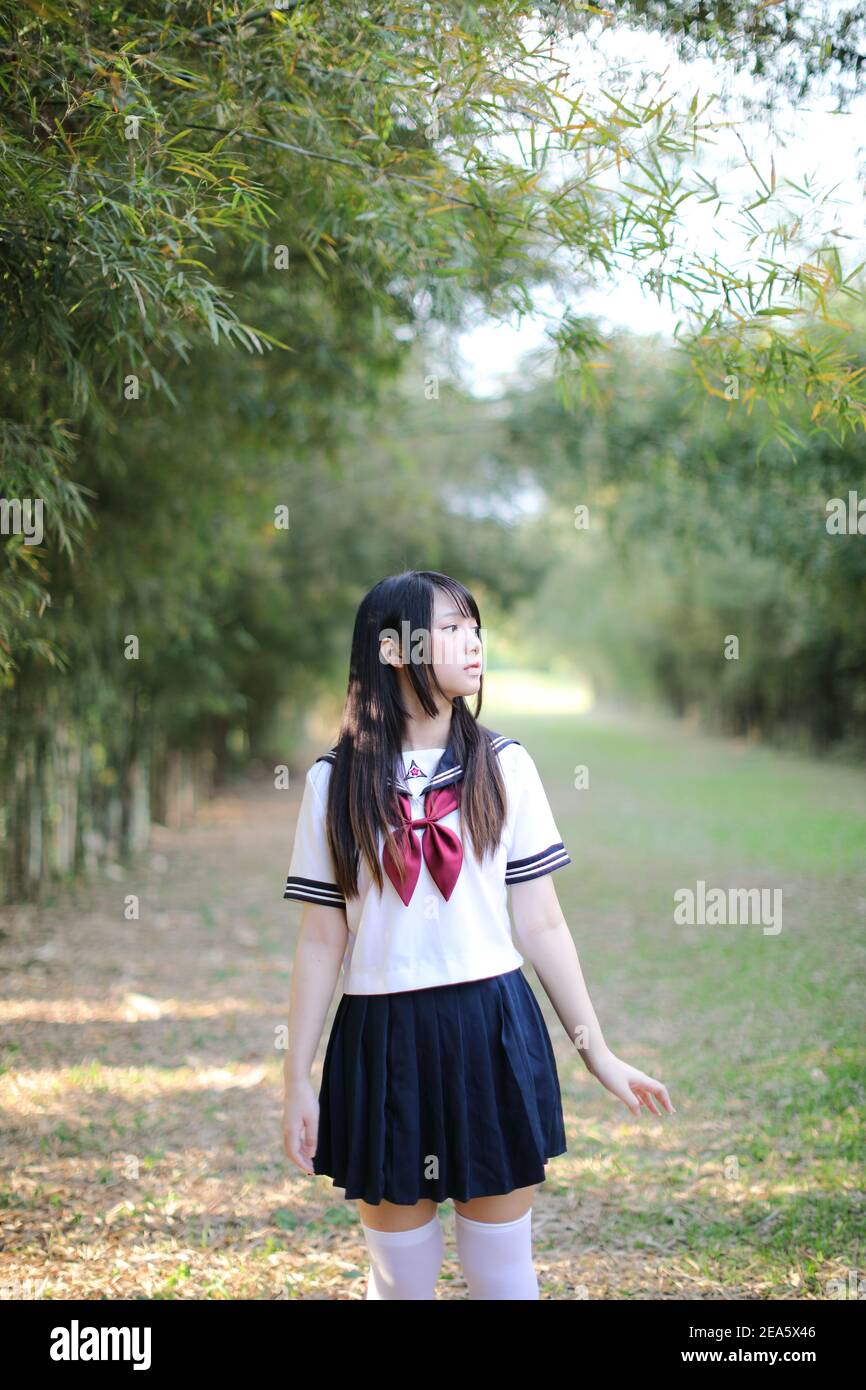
{"x": 318, "y": 957}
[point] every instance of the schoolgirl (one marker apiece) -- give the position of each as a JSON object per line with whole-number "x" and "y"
{"x": 439, "y": 1079}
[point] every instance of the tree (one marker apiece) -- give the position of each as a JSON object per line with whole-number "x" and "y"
{"x": 222, "y": 234}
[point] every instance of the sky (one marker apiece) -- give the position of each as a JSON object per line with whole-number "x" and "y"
{"x": 812, "y": 141}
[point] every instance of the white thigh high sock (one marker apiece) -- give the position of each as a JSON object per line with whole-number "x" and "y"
{"x": 404, "y": 1264}
{"x": 497, "y": 1257}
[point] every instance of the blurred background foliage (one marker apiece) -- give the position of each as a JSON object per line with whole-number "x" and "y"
{"x": 232, "y": 244}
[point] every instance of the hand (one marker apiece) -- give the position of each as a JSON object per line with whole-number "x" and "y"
{"x": 300, "y": 1123}
{"x": 628, "y": 1082}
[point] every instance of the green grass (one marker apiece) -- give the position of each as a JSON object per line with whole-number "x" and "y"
{"x": 759, "y": 1176}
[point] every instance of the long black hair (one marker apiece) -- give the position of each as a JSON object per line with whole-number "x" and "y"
{"x": 368, "y": 751}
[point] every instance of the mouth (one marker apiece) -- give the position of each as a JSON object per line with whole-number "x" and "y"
{"x": 475, "y": 666}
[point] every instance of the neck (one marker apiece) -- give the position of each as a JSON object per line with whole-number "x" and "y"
{"x": 423, "y": 732}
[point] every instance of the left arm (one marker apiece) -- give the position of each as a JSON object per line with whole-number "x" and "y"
{"x": 542, "y": 935}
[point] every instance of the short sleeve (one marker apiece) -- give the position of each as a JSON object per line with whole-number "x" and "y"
{"x": 535, "y": 846}
{"x": 311, "y": 871}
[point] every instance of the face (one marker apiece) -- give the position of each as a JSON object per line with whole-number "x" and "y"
{"x": 455, "y": 646}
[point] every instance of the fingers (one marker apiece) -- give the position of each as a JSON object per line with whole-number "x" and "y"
{"x": 297, "y": 1148}
{"x": 647, "y": 1100}
{"x": 647, "y": 1088}
{"x": 626, "y": 1095}
{"x": 659, "y": 1089}
{"x": 312, "y": 1134}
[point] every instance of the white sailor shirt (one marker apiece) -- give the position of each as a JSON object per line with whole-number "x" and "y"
{"x": 394, "y": 946}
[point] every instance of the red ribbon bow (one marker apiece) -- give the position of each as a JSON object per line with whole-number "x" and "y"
{"x": 442, "y": 847}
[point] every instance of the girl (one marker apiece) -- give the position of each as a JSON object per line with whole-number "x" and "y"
{"x": 439, "y": 1078}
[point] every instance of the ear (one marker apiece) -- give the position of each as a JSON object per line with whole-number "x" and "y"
{"x": 389, "y": 652}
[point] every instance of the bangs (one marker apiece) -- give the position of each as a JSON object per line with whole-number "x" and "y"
{"x": 461, "y": 596}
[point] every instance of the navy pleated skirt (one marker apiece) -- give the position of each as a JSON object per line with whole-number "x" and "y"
{"x": 450, "y": 1091}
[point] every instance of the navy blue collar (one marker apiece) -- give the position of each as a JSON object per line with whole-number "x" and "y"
{"x": 447, "y": 770}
